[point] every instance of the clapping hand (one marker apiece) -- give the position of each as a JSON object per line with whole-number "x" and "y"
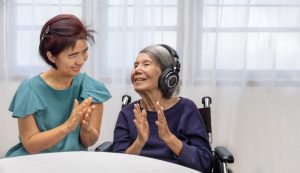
{"x": 78, "y": 111}
{"x": 141, "y": 124}
{"x": 86, "y": 119}
{"x": 162, "y": 125}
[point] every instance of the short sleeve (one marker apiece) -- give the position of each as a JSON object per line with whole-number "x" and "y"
{"x": 95, "y": 89}
{"x": 25, "y": 101}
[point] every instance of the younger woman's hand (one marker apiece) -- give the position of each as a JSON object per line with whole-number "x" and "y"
{"x": 85, "y": 123}
{"x": 77, "y": 113}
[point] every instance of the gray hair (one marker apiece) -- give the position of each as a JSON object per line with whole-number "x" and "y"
{"x": 165, "y": 60}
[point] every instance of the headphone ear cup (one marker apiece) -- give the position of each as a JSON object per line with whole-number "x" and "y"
{"x": 168, "y": 79}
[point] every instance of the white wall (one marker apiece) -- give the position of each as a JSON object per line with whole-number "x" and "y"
{"x": 260, "y": 125}
{"x": 8, "y": 126}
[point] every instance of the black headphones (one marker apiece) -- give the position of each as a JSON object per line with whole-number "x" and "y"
{"x": 169, "y": 78}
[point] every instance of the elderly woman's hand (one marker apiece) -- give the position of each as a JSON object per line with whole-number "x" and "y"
{"x": 141, "y": 124}
{"x": 162, "y": 125}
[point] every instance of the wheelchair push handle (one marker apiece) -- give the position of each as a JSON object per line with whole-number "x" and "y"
{"x": 126, "y": 99}
{"x": 206, "y": 101}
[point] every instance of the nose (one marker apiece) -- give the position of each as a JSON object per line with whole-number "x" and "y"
{"x": 80, "y": 60}
{"x": 138, "y": 69}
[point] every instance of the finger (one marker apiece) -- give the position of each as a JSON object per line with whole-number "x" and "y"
{"x": 89, "y": 100}
{"x": 85, "y": 103}
{"x": 159, "y": 125}
{"x": 138, "y": 108}
{"x": 76, "y": 116}
{"x": 85, "y": 125}
{"x": 160, "y": 112}
{"x": 82, "y": 105}
{"x": 157, "y": 106}
{"x": 136, "y": 112}
{"x": 86, "y": 109}
{"x": 75, "y": 105}
{"x": 137, "y": 126}
{"x": 159, "y": 116}
{"x": 92, "y": 107}
{"x": 144, "y": 115}
{"x": 146, "y": 125}
{"x": 87, "y": 117}
{"x": 163, "y": 114}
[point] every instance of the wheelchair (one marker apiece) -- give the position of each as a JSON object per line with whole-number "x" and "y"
{"x": 222, "y": 156}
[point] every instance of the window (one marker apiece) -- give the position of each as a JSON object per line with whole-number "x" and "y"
{"x": 25, "y": 19}
{"x": 127, "y": 27}
{"x": 226, "y": 40}
{"x": 257, "y": 38}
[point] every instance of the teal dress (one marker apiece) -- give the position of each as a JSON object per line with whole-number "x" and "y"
{"x": 52, "y": 108}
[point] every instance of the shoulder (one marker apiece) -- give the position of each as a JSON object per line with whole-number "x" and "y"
{"x": 84, "y": 78}
{"x": 27, "y": 98}
{"x": 28, "y": 84}
{"x": 185, "y": 102}
{"x": 128, "y": 109}
{"x": 186, "y": 108}
{"x": 87, "y": 81}
{"x": 91, "y": 87}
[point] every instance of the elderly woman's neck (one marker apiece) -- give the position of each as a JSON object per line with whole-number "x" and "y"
{"x": 148, "y": 101}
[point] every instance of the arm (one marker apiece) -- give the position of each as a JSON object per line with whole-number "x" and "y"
{"x": 191, "y": 145}
{"x": 91, "y": 125}
{"x": 35, "y": 141}
{"x": 164, "y": 132}
{"x": 123, "y": 141}
{"x": 196, "y": 151}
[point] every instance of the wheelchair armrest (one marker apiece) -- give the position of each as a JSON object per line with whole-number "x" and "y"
{"x": 224, "y": 155}
{"x": 105, "y": 147}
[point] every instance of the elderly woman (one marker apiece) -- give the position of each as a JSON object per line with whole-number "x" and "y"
{"x": 162, "y": 125}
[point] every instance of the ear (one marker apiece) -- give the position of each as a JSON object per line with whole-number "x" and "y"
{"x": 51, "y": 57}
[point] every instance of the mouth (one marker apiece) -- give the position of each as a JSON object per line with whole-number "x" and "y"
{"x": 139, "y": 79}
{"x": 76, "y": 69}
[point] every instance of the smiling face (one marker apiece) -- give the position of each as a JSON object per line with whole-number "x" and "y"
{"x": 145, "y": 74}
{"x": 70, "y": 61}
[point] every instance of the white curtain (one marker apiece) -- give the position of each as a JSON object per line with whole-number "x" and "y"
{"x": 243, "y": 53}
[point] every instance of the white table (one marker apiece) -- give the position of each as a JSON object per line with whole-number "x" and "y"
{"x": 88, "y": 162}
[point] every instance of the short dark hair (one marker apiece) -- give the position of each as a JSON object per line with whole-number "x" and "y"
{"x": 60, "y": 33}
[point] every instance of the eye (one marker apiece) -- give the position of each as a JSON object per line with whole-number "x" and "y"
{"x": 72, "y": 56}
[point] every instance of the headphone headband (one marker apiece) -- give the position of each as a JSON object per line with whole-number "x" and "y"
{"x": 174, "y": 55}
